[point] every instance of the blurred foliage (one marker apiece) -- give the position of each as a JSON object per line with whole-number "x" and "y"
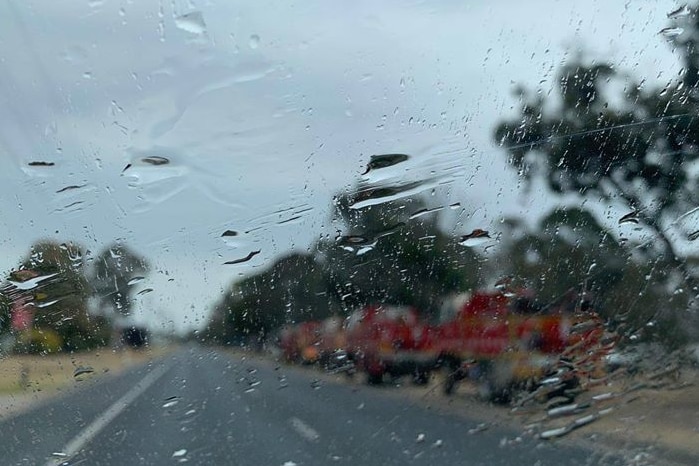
{"x": 634, "y": 150}
{"x": 38, "y": 341}
{"x": 376, "y": 257}
{"x": 59, "y": 301}
{"x": 113, "y": 270}
{"x": 569, "y": 253}
{"x": 293, "y": 289}
{"x": 401, "y": 261}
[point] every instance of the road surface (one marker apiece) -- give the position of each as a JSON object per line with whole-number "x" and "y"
{"x": 199, "y": 406}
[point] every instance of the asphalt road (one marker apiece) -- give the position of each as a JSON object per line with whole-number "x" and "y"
{"x": 202, "y": 407}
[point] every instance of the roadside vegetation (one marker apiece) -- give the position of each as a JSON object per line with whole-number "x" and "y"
{"x": 59, "y": 298}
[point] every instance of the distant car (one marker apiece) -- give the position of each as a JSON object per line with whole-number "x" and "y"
{"x": 135, "y": 337}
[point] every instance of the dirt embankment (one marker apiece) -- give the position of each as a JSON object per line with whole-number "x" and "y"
{"x": 656, "y": 419}
{"x": 660, "y": 416}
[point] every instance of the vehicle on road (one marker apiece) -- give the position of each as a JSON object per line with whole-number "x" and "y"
{"x": 507, "y": 341}
{"x": 389, "y": 340}
{"x": 503, "y": 341}
{"x": 299, "y": 342}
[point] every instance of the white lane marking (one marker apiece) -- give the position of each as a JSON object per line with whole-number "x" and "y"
{"x": 304, "y": 430}
{"x": 101, "y": 421}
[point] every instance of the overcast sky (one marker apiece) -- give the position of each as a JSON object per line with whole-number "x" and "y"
{"x": 267, "y": 109}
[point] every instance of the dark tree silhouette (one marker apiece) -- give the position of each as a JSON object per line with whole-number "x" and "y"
{"x": 636, "y": 149}
{"x": 114, "y": 272}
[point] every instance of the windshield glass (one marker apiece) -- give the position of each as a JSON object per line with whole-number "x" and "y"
{"x": 294, "y": 233}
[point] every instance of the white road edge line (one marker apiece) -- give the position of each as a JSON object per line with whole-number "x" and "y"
{"x": 304, "y": 430}
{"x": 101, "y": 421}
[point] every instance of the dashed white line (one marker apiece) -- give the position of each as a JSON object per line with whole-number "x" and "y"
{"x": 88, "y": 433}
{"x": 304, "y": 430}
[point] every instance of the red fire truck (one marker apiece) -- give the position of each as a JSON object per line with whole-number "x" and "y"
{"x": 505, "y": 340}
{"x": 501, "y": 340}
{"x": 313, "y": 341}
{"x": 299, "y": 342}
{"x": 389, "y": 340}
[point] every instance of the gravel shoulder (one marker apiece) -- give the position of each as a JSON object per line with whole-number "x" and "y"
{"x": 26, "y": 380}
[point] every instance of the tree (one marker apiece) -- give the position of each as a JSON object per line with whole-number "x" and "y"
{"x": 569, "y": 252}
{"x": 635, "y": 155}
{"x": 384, "y": 256}
{"x": 380, "y": 255}
{"x": 59, "y": 301}
{"x": 293, "y": 289}
{"x": 115, "y": 272}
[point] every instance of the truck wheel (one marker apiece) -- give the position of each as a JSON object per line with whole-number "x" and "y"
{"x": 489, "y": 391}
{"x": 349, "y": 373}
{"x": 375, "y": 369}
{"x": 454, "y": 374}
{"x": 493, "y": 384}
{"x": 374, "y": 378}
{"x": 450, "y": 383}
{"x": 421, "y": 377}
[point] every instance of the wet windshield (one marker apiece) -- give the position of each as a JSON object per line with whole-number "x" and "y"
{"x": 283, "y": 233}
